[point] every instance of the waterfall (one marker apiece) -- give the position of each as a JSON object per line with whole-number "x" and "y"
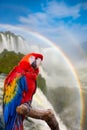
{"x": 16, "y": 43}
{"x": 12, "y": 42}
{"x": 3, "y": 43}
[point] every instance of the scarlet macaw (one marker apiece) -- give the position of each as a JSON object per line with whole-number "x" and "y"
{"x": 19, "y": 87}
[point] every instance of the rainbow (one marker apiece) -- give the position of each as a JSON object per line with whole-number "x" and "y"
{"x": 72, "y": 69}
{"x": 19, "y": 30}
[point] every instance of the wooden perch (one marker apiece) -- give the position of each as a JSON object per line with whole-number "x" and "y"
{"x": 46, "y": 115}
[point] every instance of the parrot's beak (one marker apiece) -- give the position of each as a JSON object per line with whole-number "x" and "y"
{"x": 36, "y": 63}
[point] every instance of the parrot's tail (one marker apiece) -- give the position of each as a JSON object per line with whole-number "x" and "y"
{"x": 18, "y": 123}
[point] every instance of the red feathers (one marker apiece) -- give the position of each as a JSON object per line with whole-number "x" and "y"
{"x": 36, "y": 55}
{"x": 24, "y": 87}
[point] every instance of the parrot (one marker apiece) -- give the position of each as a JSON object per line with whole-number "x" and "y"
{"x": 19, "y": 88}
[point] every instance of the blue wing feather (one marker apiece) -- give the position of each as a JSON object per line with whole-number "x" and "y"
{"x": 9, "y": 109}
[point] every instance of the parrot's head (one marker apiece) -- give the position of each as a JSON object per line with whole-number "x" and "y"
{"x": 35, "y": 60}
{"x": 32, "y": 59}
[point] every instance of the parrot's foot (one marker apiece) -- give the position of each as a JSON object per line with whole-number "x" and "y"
{"x": 22, "y": 109}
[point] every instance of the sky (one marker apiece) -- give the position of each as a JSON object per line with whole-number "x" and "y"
{"x": 62, "y": 21}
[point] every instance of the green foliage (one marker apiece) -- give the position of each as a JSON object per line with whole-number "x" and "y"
{"x": 8, "y": 59}
{"x": 41, "y": 83}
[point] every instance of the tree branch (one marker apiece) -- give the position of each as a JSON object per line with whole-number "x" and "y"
{"x": 46, "y": 115}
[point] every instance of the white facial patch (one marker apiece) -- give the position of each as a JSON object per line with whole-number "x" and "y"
{"x": 38, "y": 62}
{"x": 31, "y": 59}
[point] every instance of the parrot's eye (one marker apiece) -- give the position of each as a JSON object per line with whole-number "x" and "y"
{"x": 31, "y": 59}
